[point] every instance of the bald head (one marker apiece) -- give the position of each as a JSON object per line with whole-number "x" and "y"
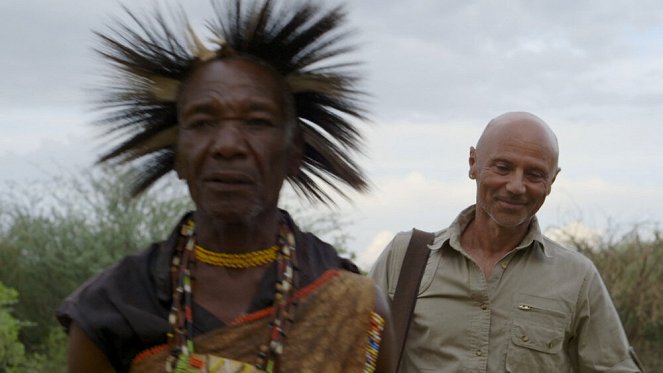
{"x": 520, "y": 125}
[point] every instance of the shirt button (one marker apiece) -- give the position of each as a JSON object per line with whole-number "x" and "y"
{"x": 478, "y": 352}
{"x": 525, "y": 338}
{"x": 484, "y": 306}
{"x": 504, "y": 265}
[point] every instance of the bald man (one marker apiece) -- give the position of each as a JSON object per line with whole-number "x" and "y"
{"x": 496, "y": 294}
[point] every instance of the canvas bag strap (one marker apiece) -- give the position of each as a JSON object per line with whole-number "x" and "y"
{"x": 412, "y": 270}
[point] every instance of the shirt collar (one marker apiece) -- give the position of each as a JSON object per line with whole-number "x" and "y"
{"x": 453, "y": 232}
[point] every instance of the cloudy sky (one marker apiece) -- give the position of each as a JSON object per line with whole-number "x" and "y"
{"x": 437, "y": 71}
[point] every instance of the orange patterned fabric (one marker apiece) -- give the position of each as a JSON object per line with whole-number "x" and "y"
{"x": 329, "y": 334}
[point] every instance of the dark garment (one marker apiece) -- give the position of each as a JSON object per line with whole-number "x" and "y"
{"x": 125, "y": 308}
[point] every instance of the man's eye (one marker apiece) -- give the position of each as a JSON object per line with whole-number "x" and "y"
{"x": 535, "y": 176}
{"x": 200, "y": 123}
{"x": 502, "y": 168}
{"x": 259, "y": 122}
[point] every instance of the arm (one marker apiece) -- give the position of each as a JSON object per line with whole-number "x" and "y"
{"x": 84, "y": 355}
{"x": 386, "y": 359}
{"x": 600, "y": 343}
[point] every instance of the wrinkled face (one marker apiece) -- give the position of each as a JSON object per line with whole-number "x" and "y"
{"x": 514, "y": 170}
{"x": 235, "y": 142}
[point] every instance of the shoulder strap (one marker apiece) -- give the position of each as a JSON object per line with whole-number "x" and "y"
{"x": 412, "y": 270}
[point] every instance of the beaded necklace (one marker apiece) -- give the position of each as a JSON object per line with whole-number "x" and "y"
{"x": 240, "y": 261}
{"x": 180, "y": 335}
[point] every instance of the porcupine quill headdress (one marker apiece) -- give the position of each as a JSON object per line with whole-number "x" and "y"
{"x": 301, "y": 41}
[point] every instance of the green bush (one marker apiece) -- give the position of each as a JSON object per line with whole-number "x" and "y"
{"x": 12, "y": 352}
{"x": 56, "y": 234}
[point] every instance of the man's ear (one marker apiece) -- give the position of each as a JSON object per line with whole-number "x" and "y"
{"x": 473, "y": 163}
{"x": 296, "y": 154}
{"x": 549, "y": 189}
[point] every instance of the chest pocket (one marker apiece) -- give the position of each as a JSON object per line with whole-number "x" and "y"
{"x": 537, "y": 335}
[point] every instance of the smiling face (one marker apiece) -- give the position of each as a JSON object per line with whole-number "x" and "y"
{"x": 235, "y": 142}
{"x": 515, "y": 164}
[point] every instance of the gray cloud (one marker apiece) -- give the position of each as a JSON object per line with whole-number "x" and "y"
{"x": 482, "y": 56}
{"x": 437, "y": 72}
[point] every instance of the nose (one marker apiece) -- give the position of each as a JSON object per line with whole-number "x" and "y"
{"x": 516, "y": 183}
{"x": 229, "y": 141}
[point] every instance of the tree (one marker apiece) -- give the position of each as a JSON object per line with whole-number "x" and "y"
{"x": 326, "y": 224}
{"x": 12, "y": 352}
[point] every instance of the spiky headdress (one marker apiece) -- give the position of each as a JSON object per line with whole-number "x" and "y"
{"x": 299, "y": 40}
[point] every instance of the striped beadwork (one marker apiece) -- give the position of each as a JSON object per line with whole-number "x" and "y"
{"x": 180, "y": 335}
{"x": 374, "y": 338}
{"x": 283, "y": 302}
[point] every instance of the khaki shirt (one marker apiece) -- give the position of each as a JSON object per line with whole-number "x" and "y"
{"x": 544, "y": 309}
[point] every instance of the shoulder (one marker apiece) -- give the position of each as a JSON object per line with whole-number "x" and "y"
{"x": 112, "y": 306}
{"x": 147, "y": 271}
{"x": 572, "y": 272}
{"x": 316, "y": 256}
{"x": 390, "y": 261}
{"x": 561, "y": 255}
{"x": 387, "y": 267}
{"x": 126, "y": 265}
{"x": 101, "y": 289}
{"x": 356, "y": 282}
{"x": 313, "y": 242}
{"x": 336, "y": 286}
{"x": 308, "y": 243}
{"x": 316, "y": 249}
{"x": 393, "y": 254}
{"x": 133, "y": 265}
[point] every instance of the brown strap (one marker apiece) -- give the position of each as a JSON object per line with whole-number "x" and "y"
{"x": 412, "y": 270}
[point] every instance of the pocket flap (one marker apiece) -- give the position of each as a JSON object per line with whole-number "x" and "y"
{"x": 537, "y": 337}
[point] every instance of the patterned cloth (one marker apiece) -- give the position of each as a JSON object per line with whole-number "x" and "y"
{"x": 330, "y": 332}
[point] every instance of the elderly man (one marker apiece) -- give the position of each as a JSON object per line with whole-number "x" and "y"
{"x": 237, "y": 286}
{"x": 497, "y": 295}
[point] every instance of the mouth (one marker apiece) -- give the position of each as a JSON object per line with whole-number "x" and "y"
{"x": 229, "y": 178}
{"x": 512, "y": 203}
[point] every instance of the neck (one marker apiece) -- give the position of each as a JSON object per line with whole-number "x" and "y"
{"x": 236, "y": 237}
{"x": 483, "y": 234}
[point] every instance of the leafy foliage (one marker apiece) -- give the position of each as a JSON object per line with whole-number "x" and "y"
{"x": 12, "y": 352}
{"x": 326, "y": 224}
{"x": 50, "y": 356}
{"x": 55, "y": 235}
